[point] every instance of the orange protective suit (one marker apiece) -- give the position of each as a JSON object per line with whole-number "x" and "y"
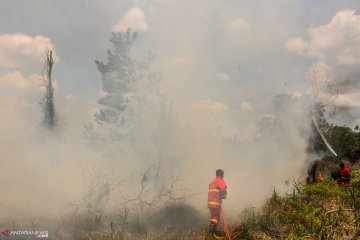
{"x": 345, "y": 175}
{"x": 217, "y": 192}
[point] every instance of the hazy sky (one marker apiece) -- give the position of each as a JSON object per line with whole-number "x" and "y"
{"x": 226, "y": 56}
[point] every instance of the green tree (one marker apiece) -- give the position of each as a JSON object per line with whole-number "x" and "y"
{"x": 122, "y": 76}
{"x": 344, "y": 140}
{"x": 130, "y": 91}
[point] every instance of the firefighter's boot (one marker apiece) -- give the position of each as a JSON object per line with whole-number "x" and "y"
{"x": 214, "y": 232}
{"x": 212, "y": 228}
{"x": 219, "y": 233}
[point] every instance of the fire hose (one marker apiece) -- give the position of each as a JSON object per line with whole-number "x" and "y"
{"x": 225, "y": 225}
{"x": 324, "y": 140}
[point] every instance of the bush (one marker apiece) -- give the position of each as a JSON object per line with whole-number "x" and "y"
{"x": 314, "y": 211}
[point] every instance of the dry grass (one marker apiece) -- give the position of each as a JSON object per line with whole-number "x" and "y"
{"x": 314, "y": 211}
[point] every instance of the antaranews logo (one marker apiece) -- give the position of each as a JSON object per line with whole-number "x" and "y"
{"x": 6, "y": 232}
{"x": 39, "y": 234}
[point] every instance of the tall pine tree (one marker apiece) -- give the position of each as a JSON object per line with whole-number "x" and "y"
{"x": 131, "y": 95}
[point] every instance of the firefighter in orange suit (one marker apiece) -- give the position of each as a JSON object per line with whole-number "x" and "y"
{"x": 345, "y": 174}
{"x": 217, "y": 192}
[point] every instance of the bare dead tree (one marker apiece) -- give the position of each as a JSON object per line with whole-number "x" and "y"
{"x": 136, "y": 204}
{"x": 99, "y": 189}
{"x": 49, "y": 120}
{"x": 313, "y": 75}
